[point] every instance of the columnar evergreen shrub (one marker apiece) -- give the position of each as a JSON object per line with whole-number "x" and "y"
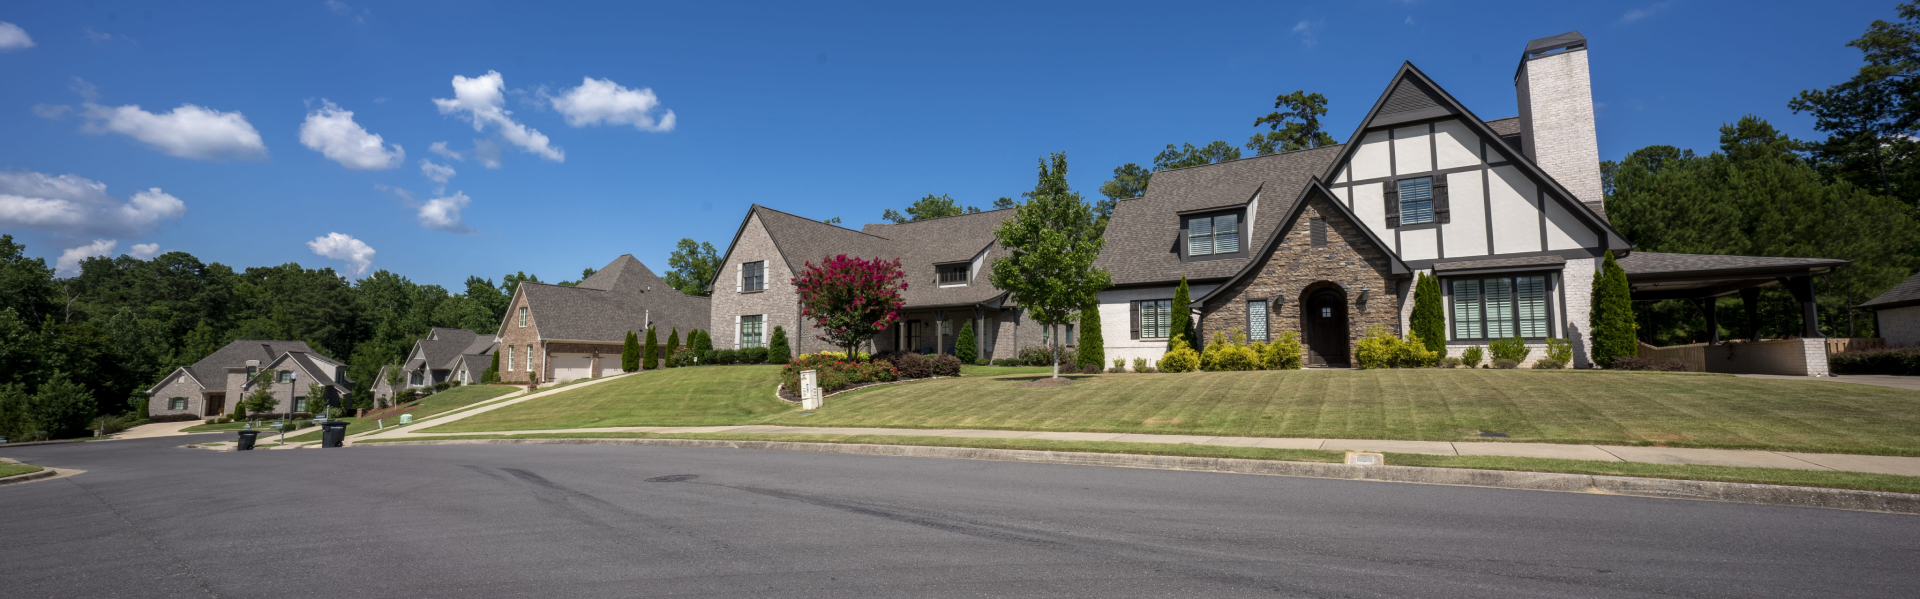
{"x": 1429, "y": 318}
{"x": 777, "y": 350}
{"x": 1180, "y": 358}
{"x": 1182, "y": 326}
{"x": 1472, "y": 357}
{"x": 706, "y": 341}
{"x": 1514, "y": 349}
{"x": 1093, "y": 349}
{"x": 629, "y": 353}
{"x": 966, "y": 347}
{"x": 1612, "y": 319}
{"x": 650, "y": 353}
{"x": 673, "y": 343}
{"x": 492, "y": 374}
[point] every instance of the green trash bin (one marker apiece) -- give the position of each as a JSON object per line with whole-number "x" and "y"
{"x": 247, "y": 438}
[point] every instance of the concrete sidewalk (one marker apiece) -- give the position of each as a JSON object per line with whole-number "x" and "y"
{"x": 464, "y": 413}
{"x": 1606, "y": 453}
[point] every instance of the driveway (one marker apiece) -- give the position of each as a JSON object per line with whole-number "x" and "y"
{"x": 158, "y": 429}
{"x": 151, "y": 520}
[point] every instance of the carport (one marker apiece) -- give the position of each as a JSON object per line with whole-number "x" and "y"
{"x": 1654, "y": 276}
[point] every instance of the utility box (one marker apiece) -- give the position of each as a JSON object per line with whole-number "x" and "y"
{"x": 406, "y": 419}
{"x": 810, "y": 398}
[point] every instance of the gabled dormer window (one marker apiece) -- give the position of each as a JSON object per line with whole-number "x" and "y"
{"x": 953, "y": 274}
{"x": 1213, "y": 235}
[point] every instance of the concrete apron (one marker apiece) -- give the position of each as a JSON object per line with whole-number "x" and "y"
{"x": 1778, "y": 495}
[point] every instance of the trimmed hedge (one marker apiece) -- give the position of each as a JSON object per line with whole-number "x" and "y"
{"x": 1905, "y": 361}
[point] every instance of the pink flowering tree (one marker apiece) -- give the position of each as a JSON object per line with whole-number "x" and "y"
{"x": 851, "y": 299}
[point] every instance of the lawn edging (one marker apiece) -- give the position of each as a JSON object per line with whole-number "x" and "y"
{"x": 30, "y": 476}
{"x": 1662, "y": 488}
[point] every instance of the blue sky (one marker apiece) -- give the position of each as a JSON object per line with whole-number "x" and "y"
{"x": 206, "y": 127}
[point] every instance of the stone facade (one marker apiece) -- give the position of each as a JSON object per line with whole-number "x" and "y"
{"x": 779, "y": 302}
{"x": 1348, "y": 261}
{"x": 516, "y": 338}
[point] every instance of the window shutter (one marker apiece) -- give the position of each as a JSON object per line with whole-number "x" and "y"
{"x": 1393, "y": 204}
{"x": 1440, "y": 209}
{"x": 1133, "y": 315}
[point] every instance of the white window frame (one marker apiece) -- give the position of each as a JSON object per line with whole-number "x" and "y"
{"x": 523, "y": 317}
{"x": 509, "y": 358}
{"x": 740, "y": 333}
{"x": 1259, "y": 333}
{"x": 529, "y": 357}
{"x": 743, "y": 276}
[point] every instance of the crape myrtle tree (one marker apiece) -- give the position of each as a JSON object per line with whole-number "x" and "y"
{"x": 1051, "y": 241}
{"x": 851, "y": 299}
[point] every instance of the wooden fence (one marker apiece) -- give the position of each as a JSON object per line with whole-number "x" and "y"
{"x": 1840, "y": 345}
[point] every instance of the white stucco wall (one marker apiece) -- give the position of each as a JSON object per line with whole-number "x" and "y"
{"x": 1516, "y": 213}
{"x": 1412, "y": 150}
{"x": 1116, "y": 322}
{"x": 1373, "y": 159}
{"x": 1466, "y": 233}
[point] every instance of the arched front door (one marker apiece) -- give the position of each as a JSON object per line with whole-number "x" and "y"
{"x": 1326, "y": 320}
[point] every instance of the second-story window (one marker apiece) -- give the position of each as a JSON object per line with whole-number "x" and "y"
{"x": 523, "y": 316}
{"x": 953, "y": 274}
{"x": 286, "y": 376}
{"x": 1416, "y": 200}
{"x": 1211, "y": 235}
{"x": 753, "y": 276}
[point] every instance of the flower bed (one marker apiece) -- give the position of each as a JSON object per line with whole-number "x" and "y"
{"x": 836, "y": 372}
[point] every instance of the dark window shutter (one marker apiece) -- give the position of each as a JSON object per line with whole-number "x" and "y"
{"x": 1133, "y": 311}
{"x": 1317, "y": 232}
{"x": 1440, "y": 208}
{"x": 1393, "y": 204}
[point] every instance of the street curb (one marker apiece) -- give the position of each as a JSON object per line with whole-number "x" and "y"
{"x": 30, "y": 476}
{"x": 1756, "y": 494}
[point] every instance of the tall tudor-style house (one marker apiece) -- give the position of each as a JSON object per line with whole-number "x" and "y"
{"x": 1323, "y": 243}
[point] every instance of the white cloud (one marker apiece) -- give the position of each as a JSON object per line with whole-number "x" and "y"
{"x": 69, "y": 263}
{"x": 1409, "y": 19}
{"x": 12, "y": 37}
{"x": 487, "y": 152}
{"x": 1309, "y": 32}
{"x": 188, "y": 132}
{"x": 342, "y": 9}
{"x": 77, "y": 206}
{"x": 51, "y": 111}
{"x": 144, "y": 251}
{"x": 440, "y": 147}
{"x": 97, "y": 36}
{"x": 601, "y": 101}
{"x": 443, "y": 213}
{"x": 439, "y": 173}
{"x": 332, "y": 132}
{"x": 86, "y": 89}
{"x": 483, "y": 100}
{"x": 340, "y": 246}
{"x": 1642, "y": 13}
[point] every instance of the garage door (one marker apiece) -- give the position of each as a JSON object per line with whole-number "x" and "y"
{"x": 567, "y": 367}
{"x": 609, "y": 370}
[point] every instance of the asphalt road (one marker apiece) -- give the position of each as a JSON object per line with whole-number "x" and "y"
{"x": 149, "y": 519}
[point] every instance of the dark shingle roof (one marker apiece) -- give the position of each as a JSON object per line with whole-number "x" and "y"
{"x": 1143, "y": 235}
{"x": 442, "y": 346}
{"x": 919, "y": 245}
{"x": 1506, "y": 126}
{"x": 1499, "y": 263}
{"x": 621, "y": 299}
{"x": 475, "y": 363}
{"x": 1655, "y": 264}
{"x": 211, "y": 371}
{"x": 1907, "y": 293}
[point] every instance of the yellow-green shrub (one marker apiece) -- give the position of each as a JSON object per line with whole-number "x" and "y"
{"x": 1381, "y": 349}
{"x": 1226, "y": 354}
{"x": 1181, "y": 358}
{"x": 1283, "y": 354}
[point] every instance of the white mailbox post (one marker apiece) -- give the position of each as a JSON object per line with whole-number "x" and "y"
{"x": 810, "y": 390}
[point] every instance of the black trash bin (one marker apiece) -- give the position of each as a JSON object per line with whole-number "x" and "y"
{"x": 333, "y": 433}
{"x": 247, "y": 438}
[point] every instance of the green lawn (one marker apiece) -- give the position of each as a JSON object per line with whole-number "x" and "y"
{"x": 1765, "y": 476}
{"x": 7, "y": 470}
{"x": 670, "y": 397}
{"x": 204, "y": 428}
{"x": 1625, "y": 408}
{"x": 971, "y": 370}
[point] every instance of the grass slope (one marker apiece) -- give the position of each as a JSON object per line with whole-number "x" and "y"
{"x": 7, "y": 470}
{"x": 708, "y": 395}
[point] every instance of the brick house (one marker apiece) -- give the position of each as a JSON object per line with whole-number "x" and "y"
{"x": 214, "y": 385}
{"x": 947, "y": 262}
{"x": 573, "y": 332}
{"x": 443, "y": 355}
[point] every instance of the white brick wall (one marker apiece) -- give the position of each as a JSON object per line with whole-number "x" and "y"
{"x": 1577, "y": 285}
{"x": 1556, "y": 114}
{"x": 1900, "y": 326}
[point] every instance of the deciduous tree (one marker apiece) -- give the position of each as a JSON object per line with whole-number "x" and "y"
{"x": 932, "y": 206}
{"x": 851, "y": 299}
{"x": 1294, "y": 126}
{"x": 694, "y": 264}
{"x": 1051, "y": 245}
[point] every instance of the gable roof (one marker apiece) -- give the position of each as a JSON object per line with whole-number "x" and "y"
{"x": 441, "y": 346}
{"x": 622, "y": 300}
{"x": 1394, "y": 107}
{"x": 1144, "y": 232}
{"x": 919, "y": 245}
{"x": 1907, "y": 293}
{"x": 211, "y": 372}
{"x": 1314, "y": 187}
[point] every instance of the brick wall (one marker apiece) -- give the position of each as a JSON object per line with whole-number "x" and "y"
{"x": 1900, "y": 326}
{"x": 518, "y": 337}
{"x": 779, "y": 302}
{"x": 180, "y": 385}
{"x": 1346, "y": 261}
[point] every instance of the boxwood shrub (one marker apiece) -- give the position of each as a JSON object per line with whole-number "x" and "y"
{"x": 1905, "y": 360}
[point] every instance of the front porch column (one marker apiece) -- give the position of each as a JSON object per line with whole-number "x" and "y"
{"x": 1750, "y": 297}
{"x": 1802, "y": 289}
{"x": 1713, "y": 320}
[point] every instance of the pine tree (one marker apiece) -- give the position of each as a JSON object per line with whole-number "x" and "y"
{"x": 1429, "y": 318}
{"x": 651, "y": 356}
{"x": 630, "y": 353}
{"x": 777, "y": 350}
{"x": 965, "y": 346}
{"x": 1093, "y": 349}
{"x": 673, "y": 343}
{"x": 1182, "y": 327}
{"x": 1612, "y": 319}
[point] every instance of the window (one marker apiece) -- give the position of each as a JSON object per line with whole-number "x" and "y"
{"x": 750, "y": 329}
{"x": 913, "y": 335}
{"x": 299, "y": 404}
{"x": 953, "y": 274}
{"x": 523, "y": 316}
{"x": 176, "y": 403}
{"x": 1500, "y": 307}
{"x": 1416, "y": 200}
{"x": 252, "y": 371}
{"x": 1211, "y": 235}
{"x": 1326, "y": 312}
{"x": 509, "y": 358}
{"x": 1156, "y": 317}
{"x": 753, "y": 277}
{"x": 414, "y": 379}
{"x": 285, "y": 376}
{"x": 1068, "y": 338}
{"x": 1257, "y": 320}
{"x": 529, "y": 357}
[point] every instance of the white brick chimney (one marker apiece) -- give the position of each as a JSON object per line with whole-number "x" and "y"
{"x": 1556, "y": 113}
